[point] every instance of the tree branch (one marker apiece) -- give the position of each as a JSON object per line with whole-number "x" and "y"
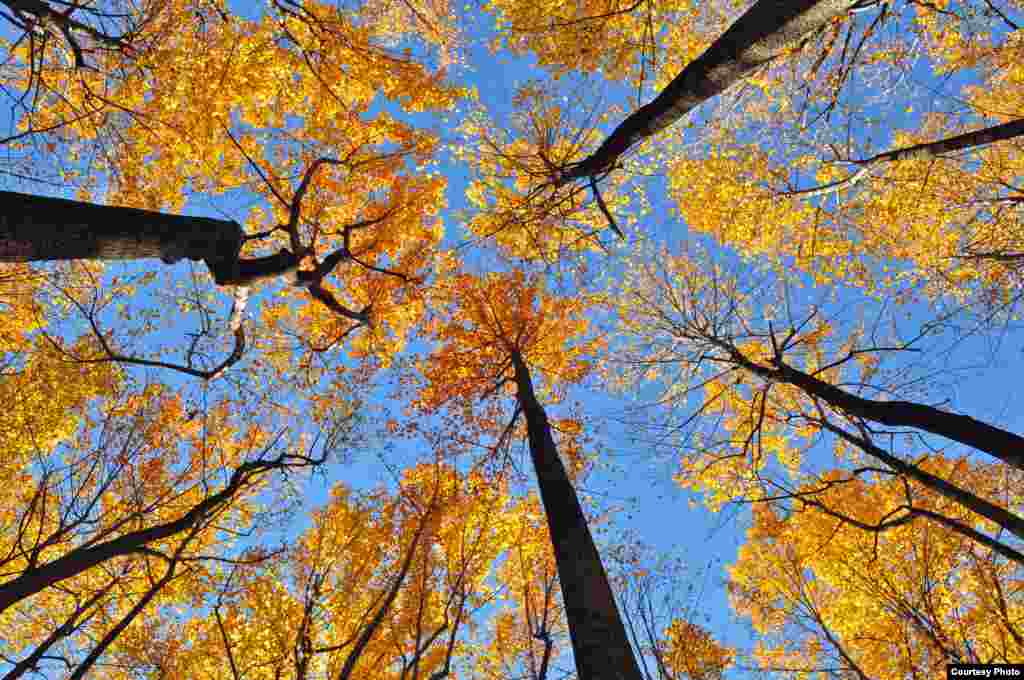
{"x": 81, "y": 559}
{"x": 941, "y": 147}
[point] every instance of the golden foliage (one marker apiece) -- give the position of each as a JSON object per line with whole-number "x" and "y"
{"x": 487, "y": 317}
{"x": 898, "y": 602}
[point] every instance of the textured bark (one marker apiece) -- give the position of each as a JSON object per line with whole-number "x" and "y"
{"x": 763, "y": 33}
{"x": 599, "y": 639}
{"x": 968, "y": 140}
{"x": 38, "y": 228}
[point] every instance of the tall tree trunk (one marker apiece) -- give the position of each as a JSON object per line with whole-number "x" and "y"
{"x": 764, "y": 32}
{"x": 940, "y": 147}
{"x": 990, "y": 511}
{"x": 999, "y": 443}
{"x": 38, "y": 228}
{"x": 599, "y": 639}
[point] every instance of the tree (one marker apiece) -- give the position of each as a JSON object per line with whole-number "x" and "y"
{"x": 151, "y": 147}
{"x": 763, "y": 33}
{"x": 380, "y": 585}
{"x": 796, "y": 381}
{"x": 500, "y": 327}
{"x": 39, "y": 20}
{"x": 39, "y": 229}
{"x": 529, "y": 633}
{"x": 836, "y": 529}
{"x": 116, "y": 502}
{"x": 832, "y": 598}
{"x": 946, "y": 205}
{"x": 325, "y": 136}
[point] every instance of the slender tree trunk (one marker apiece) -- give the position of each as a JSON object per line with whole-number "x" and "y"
{"x": 764, "y": 32}
{"x": 936, "y": 149}
{"x": 999, "y": 516}
{"x": 598, "y": 635}
{"x": 38, "y": 228}
{"x": 367, "y": 633}
{"x": 1006, "y": 446}
{"x": 81, "y": 559}
{"x": 941, "y": 147}
{"x": 70, "y": 626}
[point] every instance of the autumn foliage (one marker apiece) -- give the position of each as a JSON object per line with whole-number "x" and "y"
{"x": 476, "y": 257}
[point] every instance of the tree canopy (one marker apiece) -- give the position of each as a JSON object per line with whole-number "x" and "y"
{"x": 492, "y": 251}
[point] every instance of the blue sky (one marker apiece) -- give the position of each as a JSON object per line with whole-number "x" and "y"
{"x": 635, "y": 477}
{"x": 654, "y": 508}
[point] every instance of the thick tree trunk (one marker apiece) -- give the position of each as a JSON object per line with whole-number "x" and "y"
{"x": 37, "y": 228}
{"x": 41, "y": 228}
{"x": 599, "y": 639}
{"x": 763, "y": 33}
{"x": 998, "y": 443}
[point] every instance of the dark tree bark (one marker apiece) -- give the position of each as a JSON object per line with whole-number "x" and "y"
{"x": 976, "y": 504}
{"x": 763, "y": 33}
{"x": 37, "y": 228}
{"x": 998, "y": 443}
{"x": 84, "y": 558}
{"x": 71, "y": 625}
{"x": 960, "y": 428}
{"x": 936, "y": 149}
{"x": 100, "y": 649}
{"x": 599, "y": 639}
{"x": 367, "y": 633}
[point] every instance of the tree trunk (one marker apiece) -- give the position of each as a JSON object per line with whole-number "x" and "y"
{"x": 998, "y": 443}
{"x": 997, "y": 515}
{"x": 764, "y": 32}
{"x": 599, "y": 639}
{"x": 38, "y": 228}
{"x": 80, "y": 559}
{"x": 936, "y": 149}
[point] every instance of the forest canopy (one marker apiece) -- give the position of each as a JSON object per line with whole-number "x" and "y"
{"x": 505, "y": 255}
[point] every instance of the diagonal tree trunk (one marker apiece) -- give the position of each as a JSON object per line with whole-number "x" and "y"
{"x": 599, "y": 640}
{"x": 964, "y": 429}
{"x": 83, "y": 558}
{"x": 38, "y": 228}
{"x": 999, "y": 443}
{"x": 990, "y": 511}
{"x": 764, "y": 32}
{"x": 936, "y": 149}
